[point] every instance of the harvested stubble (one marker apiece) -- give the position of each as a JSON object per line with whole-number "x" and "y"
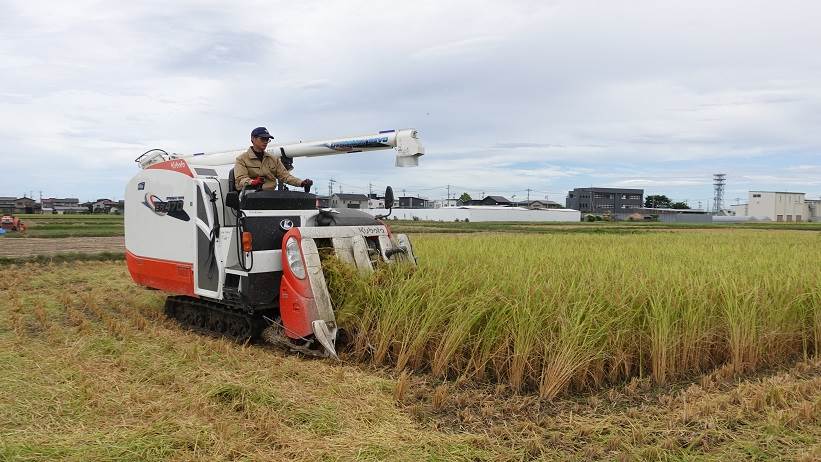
{"x": 560, "y": 313}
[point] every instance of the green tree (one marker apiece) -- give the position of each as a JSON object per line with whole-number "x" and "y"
{"x": 679, "y": 205}
{"x": 658, "y": 201}
{"x": 465, "y": 198}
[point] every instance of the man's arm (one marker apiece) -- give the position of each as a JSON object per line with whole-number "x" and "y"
{"x": 282, "y": 173}
{"x": 241, "y": 178}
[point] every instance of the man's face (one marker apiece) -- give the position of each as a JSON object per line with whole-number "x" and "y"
{"x": 259, "y": 143}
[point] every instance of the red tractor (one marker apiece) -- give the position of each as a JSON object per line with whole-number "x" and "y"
{"x": 12, "y": 223}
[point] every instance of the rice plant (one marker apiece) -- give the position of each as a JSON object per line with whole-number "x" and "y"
{"x": 556, "y": 313}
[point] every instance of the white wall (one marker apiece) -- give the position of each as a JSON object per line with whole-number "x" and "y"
{"x": 480, "y": 214}
{"x": 777, "y": 206}
{"x": 739, "y": 210}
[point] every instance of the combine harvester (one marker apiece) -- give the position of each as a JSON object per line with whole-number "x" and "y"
{"x": 245, "y": 264}
{"x": 10, "y": 223}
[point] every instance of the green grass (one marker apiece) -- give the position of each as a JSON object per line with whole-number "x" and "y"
{"x": 71, "y": 225}
{"x": 101, "y": 225}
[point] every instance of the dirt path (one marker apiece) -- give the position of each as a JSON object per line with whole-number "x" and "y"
{"x": 22, "y": 247}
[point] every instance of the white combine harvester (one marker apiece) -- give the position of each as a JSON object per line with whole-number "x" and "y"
{"x": 245, "y": 264}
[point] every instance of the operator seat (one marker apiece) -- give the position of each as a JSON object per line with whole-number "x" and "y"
{"x": 232, "y": 186}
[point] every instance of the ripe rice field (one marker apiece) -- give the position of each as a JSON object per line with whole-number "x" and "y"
{"x": 687, "y": 345}
{"x": 558, "y": 314}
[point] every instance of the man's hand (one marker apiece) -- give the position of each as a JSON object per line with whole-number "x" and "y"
{"x": 306, "y": 183}
{"x": 257, "y": 181}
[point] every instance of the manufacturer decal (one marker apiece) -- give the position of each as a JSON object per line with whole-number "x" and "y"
{"x": 356, "y": 144}
{"x": 172, "y": 206}
{"x": 373, "y": 230}
{"x": 286, "y": 224}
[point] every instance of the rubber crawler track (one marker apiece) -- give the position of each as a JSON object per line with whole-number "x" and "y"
{"x": 214, "y": 319}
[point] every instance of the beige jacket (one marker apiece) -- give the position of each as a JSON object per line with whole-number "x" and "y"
{"x": 247, "y": 167}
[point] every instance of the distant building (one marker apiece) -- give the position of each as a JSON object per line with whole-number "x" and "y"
{"x": 103, "y": 206}
{"x": 539, "y": 204}
{"x": 446, "y": 203}
{"x": 26, "y": 205}
{"x": 376, "y": 202}
{"x": 323, "y": 202}
{"x": 813, "y": 209}
{"x": 739, "y": 210}
{"x": 605, "y": 200}
{"x": 409, "y": 202}
{"x": 351, "y": 201}
{"x": 12, "y": 205}
{"x": 495, "y": 200}
{"x": 778, "y": 206}
{"x": 64, "y": 205}
{"x": 7, "y": 205}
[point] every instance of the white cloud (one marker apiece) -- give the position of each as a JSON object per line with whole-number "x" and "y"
{"x": 507, "y": 96}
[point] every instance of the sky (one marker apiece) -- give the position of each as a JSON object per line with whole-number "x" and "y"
{"x": 514, "y": 98}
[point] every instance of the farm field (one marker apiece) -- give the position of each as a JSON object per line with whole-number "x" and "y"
{"x": 72, "y": 225}
{"x": 501, "y": 346}
{"x": 82, "y": 225}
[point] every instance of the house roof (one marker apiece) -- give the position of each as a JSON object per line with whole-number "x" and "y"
{"x": 351, "y": 197}
{"x": 539, "y": 201}
{"x": 777, "y": 192}
{"x": 497, "y": 198}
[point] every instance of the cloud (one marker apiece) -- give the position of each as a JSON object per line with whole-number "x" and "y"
{"x": 510, "y": 96}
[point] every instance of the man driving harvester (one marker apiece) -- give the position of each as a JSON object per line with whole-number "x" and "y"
{"x": 256, "y": 168}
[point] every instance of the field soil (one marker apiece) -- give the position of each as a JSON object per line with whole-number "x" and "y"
{"x": 41, "y": 246}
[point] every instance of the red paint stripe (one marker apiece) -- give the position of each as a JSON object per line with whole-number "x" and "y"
{"x": 175, "y": 165}
{"x": 169, "y": 276}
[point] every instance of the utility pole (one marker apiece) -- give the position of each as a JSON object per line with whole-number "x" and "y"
{"x": 370, "y": 190}
{"x": 528, "y": 194}
{"x": 340, "y": 188}
{"x": 448, "y": 202}
{"x": 331, "y": 187}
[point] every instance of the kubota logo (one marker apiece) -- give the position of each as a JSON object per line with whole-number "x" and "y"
{"x": 173, "y": 206}
{"x": 286, "y": 224}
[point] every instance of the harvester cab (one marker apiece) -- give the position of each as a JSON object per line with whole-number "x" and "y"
{"x": 248, "y": 264}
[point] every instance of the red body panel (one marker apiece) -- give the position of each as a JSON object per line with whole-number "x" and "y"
{"x": 170, "y": 276}
{"x": 176, "y": 165}
{"x": 296, "y": 300}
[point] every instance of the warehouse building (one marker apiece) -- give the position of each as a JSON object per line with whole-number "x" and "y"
{"x": 777, "y": 206}
{"x": 604, "y": 200}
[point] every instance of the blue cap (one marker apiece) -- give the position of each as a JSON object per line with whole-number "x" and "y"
{"x": 260, "y": 132}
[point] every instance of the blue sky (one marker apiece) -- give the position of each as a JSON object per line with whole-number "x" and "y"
{"x": 508, "y": 96}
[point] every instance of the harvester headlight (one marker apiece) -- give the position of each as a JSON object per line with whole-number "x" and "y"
{"x": 294, "y": 257}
